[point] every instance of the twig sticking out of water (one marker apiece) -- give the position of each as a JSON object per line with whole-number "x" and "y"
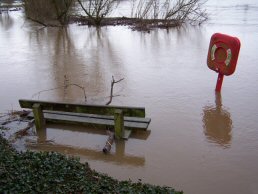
{"x": 113, "y": 82}
{"x": 64, "y": 87}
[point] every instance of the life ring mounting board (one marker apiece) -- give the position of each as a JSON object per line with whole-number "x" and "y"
{"x": 223, "y": 55}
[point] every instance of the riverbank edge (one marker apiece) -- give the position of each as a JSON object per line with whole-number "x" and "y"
{"x": 134, "y": 23}
{"x": 51, "y": 172}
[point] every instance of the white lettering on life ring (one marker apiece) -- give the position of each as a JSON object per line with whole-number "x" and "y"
{"x": 213, "y": 49}
{"x": 229, "y": 55}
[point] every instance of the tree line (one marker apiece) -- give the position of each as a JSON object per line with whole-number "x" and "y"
{"x": 60, "y": 12}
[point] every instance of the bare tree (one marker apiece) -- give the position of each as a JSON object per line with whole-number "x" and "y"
{"x": 142, "y": 9}
{"x": 62, "y": 8}
{"x": 48, "y": 12}
{"x": 177, "y": 10}
{"x": 185, "y": 10}
{"x": 96, "y": 10}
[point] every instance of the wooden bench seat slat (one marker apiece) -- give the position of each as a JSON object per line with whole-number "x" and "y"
{"x": 135, "y": 119}
{"x": 84, "y": 108}
{"x": 92, "y": 119}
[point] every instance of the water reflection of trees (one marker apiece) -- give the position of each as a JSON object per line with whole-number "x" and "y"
{"x": 6, "y": 21}
{"x": 217, "y": 123}
{"x": 60, "y": 58}
{"x": 87, "y": 59}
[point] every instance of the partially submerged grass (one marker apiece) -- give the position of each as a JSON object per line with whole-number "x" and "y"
{"x": 50, "y": 172}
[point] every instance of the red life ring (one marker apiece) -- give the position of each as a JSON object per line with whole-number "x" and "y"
{"x": 223, "y": 53}
{"x": 227, "y": 52}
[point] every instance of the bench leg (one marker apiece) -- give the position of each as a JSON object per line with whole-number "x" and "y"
{"x": 39, "y": 117}
{"x": 119, "y": 123}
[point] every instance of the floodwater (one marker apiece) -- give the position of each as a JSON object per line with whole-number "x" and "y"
{"x": 200, "y": 142}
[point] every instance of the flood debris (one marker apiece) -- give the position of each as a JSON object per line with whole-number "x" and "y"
{"x": 12, "y": 116}
{"x": 109, "y": 142}
{"x": 24, "y": 131}
{"x": 17, "y": 128}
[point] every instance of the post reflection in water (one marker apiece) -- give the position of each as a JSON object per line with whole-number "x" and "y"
{"x": 118, "y": 156}
{"x": 217, "y": 123}
{"x": 42, "y": 134}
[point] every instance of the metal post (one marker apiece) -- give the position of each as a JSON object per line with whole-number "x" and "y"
{"x": 219, "y": 82}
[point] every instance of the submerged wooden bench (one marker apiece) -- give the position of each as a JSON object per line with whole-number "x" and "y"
{"x": 122, "y": 118}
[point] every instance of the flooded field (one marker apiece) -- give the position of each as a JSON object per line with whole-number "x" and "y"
{"x": 200, "y": 142}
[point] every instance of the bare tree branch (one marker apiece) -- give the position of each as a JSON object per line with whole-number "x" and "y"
{"x": 113, "y": 82}
{"x": 65, "y": 86}
{"x": 178, "y": 10}
{"x": 96, "y": 10}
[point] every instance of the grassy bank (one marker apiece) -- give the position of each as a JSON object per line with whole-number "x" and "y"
{"x": 50, "y": 172}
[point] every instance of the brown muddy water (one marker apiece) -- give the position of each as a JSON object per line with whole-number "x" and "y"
{"x": 199, "y": 142}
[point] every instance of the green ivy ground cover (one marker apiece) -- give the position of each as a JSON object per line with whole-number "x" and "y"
{"x": 50, "y": 172}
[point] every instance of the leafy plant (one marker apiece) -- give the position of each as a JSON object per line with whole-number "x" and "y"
{"x": 50, "y": 172}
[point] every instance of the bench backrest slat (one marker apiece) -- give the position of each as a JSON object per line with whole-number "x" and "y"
{"x": 84, "y": 108}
